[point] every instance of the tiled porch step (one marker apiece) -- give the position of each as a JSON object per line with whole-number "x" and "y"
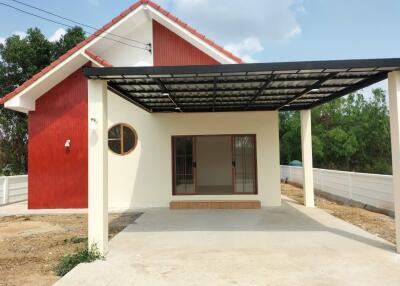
{"x": 249, "y": 204}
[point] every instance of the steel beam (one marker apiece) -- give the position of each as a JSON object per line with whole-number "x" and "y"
{"x": 317, "y": 84}
{"x": 167, "y": 91}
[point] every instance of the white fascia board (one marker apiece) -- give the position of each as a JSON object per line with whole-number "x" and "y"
{"x": 97, "y": 64}
{"x": 38, "y": 88}
{"x": 188, "y": 36}
{"x": 18, "y": 102}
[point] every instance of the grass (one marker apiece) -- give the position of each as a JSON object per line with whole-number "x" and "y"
{"x": 35, "y": 255}
{"x": 76, "y": 240}
{"x": 68, "y": 262}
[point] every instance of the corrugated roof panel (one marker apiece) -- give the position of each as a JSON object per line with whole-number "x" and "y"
{"x": 291, "y": 86}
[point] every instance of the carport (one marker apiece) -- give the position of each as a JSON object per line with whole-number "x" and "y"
{"x": 232, "y": 88}
{"x": 287, "y": 245}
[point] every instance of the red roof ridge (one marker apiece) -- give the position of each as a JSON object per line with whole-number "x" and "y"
{"x": 133, "y": 7}
{"x": 97, "y": 58}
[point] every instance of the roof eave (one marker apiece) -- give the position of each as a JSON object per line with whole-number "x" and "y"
{"x": 80, "y": 48}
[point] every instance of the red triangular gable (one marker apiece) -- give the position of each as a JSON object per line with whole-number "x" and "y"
{"x": 170, "y": 50}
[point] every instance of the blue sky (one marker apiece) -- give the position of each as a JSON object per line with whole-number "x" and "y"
{"x": 257, "y": 30}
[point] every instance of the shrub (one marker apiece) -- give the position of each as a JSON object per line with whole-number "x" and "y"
{"x": 75, "y": 240}
{"x": 82, "y": 256}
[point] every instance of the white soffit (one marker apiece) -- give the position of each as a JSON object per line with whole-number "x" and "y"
{"x": 123, "y": 29}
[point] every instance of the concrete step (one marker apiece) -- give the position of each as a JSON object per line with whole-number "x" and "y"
{"x": 215, "y": 204}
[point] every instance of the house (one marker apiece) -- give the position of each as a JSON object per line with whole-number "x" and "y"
{"x": 147, "y": 112}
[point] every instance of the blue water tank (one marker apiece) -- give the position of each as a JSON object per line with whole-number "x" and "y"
{"x": 296, "y": 163}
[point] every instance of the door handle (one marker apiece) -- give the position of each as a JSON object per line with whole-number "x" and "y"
{"x": 194, "y": 165}
{"x": 233, "y": 164}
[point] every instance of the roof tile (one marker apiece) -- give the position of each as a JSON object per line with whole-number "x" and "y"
{"x": 97, "y": 58}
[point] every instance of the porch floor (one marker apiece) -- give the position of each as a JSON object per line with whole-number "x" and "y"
{"x": 287, "y": 245}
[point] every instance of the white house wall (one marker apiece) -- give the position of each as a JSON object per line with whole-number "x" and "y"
{"x": 143, "y": 178}
{"x": 125, "y": 56}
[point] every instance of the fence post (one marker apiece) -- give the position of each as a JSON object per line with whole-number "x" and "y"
{"x": 322, "y": 175}
{"x": 350, "y": 186}
{"x": 5, "y": 190}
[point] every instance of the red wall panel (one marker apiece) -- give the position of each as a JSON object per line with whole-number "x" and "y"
{"x": 169, "y": 49}
{"x": 58, "y": 177}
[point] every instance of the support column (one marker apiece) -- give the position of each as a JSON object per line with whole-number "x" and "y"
{"x": 98, "y": 166}
{"x": 306, "y": 152}
{"x": 394, "y": 110}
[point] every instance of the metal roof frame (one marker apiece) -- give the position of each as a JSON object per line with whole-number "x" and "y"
{"x": 242, "y": 87}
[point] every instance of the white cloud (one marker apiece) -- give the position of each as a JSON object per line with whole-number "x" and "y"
{"x": 57, "y": 35}
{"x": 245, "y": 48}
{"x": 296, "y": 30}
{"x": 53, "y": 38}
{"x": 228, "y": 21}
{"x": 22, "y": 35}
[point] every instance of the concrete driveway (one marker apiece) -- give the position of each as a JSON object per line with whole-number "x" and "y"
{"x": 288, "y": 245}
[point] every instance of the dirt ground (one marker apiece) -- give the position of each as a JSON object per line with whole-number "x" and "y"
{"x": 376, "y": 223}
{"x": 31, "y": 246}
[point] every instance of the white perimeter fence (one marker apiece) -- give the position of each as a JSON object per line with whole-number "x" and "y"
{"x": 13, "y": 189}
{"x": 369, "y": 189}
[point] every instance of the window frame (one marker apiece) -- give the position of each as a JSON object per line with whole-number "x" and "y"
{"x": 121, "y": 138}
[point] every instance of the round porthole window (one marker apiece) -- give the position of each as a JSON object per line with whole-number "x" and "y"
{"x": 122, "y": 139}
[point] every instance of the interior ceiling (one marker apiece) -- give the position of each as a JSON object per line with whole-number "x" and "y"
{"x": 242, "y": 87}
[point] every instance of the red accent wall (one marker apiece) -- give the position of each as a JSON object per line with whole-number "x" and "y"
{"x": 169, "y": 49}
{"x": 58, "y": 177}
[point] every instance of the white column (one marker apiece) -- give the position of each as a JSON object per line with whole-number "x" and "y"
{"x": 394, "y": 110}
{"x": 306, "y": 152}
{"x": 6, "y": 191}
{"x": 98, "y": 165}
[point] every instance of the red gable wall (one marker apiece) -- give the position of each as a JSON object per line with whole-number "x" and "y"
{"x": 58, "y": 177}
{"x": 171, "y": 50}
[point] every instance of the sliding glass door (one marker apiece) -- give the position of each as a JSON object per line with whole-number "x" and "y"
{"x": 184, "y": 165}
{"x": 244, "y": 164}
{"x": 244, "y": 171}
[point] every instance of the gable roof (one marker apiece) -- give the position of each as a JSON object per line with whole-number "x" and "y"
{"x": 125, "y": 13}
{"x": 97, "y": 59}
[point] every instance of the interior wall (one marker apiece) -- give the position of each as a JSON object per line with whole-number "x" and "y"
{"x": 214, "y": 160}
{"x": 143, "y": 178}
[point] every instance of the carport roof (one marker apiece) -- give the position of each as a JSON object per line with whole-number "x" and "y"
{"x": 242, "y": 87}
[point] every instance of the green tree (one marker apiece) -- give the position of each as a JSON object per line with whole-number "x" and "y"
{"x": 20, "y": 59}
{"x": 289, "y": 136}
{"x": 350, "y": 133}
{"x": 68, "y": 41}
